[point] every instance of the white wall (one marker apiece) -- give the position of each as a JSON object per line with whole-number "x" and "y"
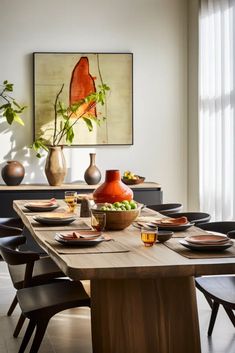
{"x": 155, "y": 31}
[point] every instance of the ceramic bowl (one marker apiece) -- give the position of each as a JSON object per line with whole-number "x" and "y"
{"x": 117, "y": 220}
{"x": 164, "y": 235}
{"x": 133, "y": 181}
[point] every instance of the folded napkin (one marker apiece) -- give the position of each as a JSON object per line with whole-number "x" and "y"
{"x": 207, "y": 239}
{"x": 42, "y": 203}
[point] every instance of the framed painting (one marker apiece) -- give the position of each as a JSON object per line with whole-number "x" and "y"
{"x": 79, "y": 74}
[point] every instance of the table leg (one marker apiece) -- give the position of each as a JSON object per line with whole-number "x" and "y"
{"x": 145, "y": 316}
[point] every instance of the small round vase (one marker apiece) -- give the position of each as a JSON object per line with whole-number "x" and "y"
{"x": 13, "y": 173}
{"x": 55, "y": 168}
{"x": 113, "y": 189}
{"x": 92, "y": 175}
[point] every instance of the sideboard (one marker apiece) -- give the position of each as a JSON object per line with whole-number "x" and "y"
{"x": 149, "y": 193}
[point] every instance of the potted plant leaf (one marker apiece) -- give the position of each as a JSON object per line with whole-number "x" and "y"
{"x": 13, "y": 172}
{"x": 9, "y": 108}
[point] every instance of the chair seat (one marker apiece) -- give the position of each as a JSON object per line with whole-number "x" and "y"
{"x": 44, "y": 270}
{"x": 49, "y": 299}
{"x": 219, "y": 288}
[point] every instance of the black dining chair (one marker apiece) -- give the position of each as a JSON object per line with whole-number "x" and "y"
{"x": 6, "y": 231}
{"x": 44, "y": 271}
{"x": 10, "y": 227}
{"x": 218, "y": 290}
{"x": 12, "y": 222}
{"x": 41, "y": 302}
{"x": 166, "y": 208}
{"x": 194, "y": 217}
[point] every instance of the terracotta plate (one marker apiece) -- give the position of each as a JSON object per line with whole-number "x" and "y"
{"x": 40, "y": 208}
{"x": 207, "y": 239}
{"x": 197, "y": 247}
{"x": 55, "y": 219}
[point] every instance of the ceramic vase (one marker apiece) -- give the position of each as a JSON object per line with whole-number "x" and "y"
{"x": 13, "y": 173}
{"x": 55, "y": 168}
{"x": 92, "y": 175}
{"x": 113, "y": 189}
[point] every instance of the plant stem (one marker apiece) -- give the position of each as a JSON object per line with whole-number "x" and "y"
{"x": 4, "y": 96}
{"x": 105, "y": 103}
{"x": 98, "y": 64}
{"x": 63, "y": 132}
{"x": 55, "y": 111}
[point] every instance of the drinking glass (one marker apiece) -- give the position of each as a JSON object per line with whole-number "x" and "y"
{"x": 70, "y": 198}
{"x": 98, "y": 221}
{"x": 148, "y": 236}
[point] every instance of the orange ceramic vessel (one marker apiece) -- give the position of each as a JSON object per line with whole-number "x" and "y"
{"x": 113, "y": 189}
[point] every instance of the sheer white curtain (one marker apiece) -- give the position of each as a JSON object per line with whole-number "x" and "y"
{"x": 216, "y": 108}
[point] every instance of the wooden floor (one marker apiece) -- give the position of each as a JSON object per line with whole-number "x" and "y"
{"x": 70, "y": 332}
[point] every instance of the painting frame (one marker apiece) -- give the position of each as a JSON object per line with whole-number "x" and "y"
{"x": 117, "y": 68}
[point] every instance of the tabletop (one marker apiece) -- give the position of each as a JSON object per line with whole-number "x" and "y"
{"x": 159, "y": 260}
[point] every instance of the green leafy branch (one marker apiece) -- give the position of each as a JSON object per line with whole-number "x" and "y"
{"x": 65, "y": 118}
{"x": 10, "y": 109}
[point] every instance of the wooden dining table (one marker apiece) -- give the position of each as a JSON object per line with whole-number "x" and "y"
{"x": 143, "y": 299}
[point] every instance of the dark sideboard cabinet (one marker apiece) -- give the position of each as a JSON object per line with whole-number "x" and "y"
{"x": 148, "y": 193}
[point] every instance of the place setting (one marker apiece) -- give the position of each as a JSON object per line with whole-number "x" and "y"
{"x": 207, "y": 242}
{"x": 203, "y": 245}
{"x": 93, "y": 241}
{"x": 62, "y": 217}
{"x": 90, "y": 237}
{"x": 165, "y": 223}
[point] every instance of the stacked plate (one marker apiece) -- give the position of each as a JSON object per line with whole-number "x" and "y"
{"x": 41, "y": 206}
{"x": 55, "y": 218}
{"x": 80, "y": 238}
{"x": 207, "y": 242}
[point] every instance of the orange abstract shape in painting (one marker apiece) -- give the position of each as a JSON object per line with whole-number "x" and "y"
{"x": 81, "y": 85}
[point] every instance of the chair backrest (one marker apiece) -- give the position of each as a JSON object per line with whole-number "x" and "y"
{"x": 221, "y": 227}
{"x": 195, "y": 217}
{"x": 166, "y": 208}
{"x": 12, "y": 222}
{"x": 12, "y": 256}
{"x": 6, "y": 231}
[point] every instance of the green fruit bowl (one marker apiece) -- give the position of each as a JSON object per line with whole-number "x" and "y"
{"x": 117, "y": 220}
{"x": 139, "y": 180}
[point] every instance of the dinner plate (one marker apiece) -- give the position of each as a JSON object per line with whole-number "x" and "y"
{"x": 79, "y": 242}
{"x": 175, "y": 228}
{"x": 54, "y": 220}
{"x": 36, "y": 208}
{"x": 198, "y": 247}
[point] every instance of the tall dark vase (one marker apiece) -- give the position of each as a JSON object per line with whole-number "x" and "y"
{"x": 113, "y": 189}
{"x": 13, "y": 173}
{"x": 55, "y": 168}
{"x": 92, "y": 175}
